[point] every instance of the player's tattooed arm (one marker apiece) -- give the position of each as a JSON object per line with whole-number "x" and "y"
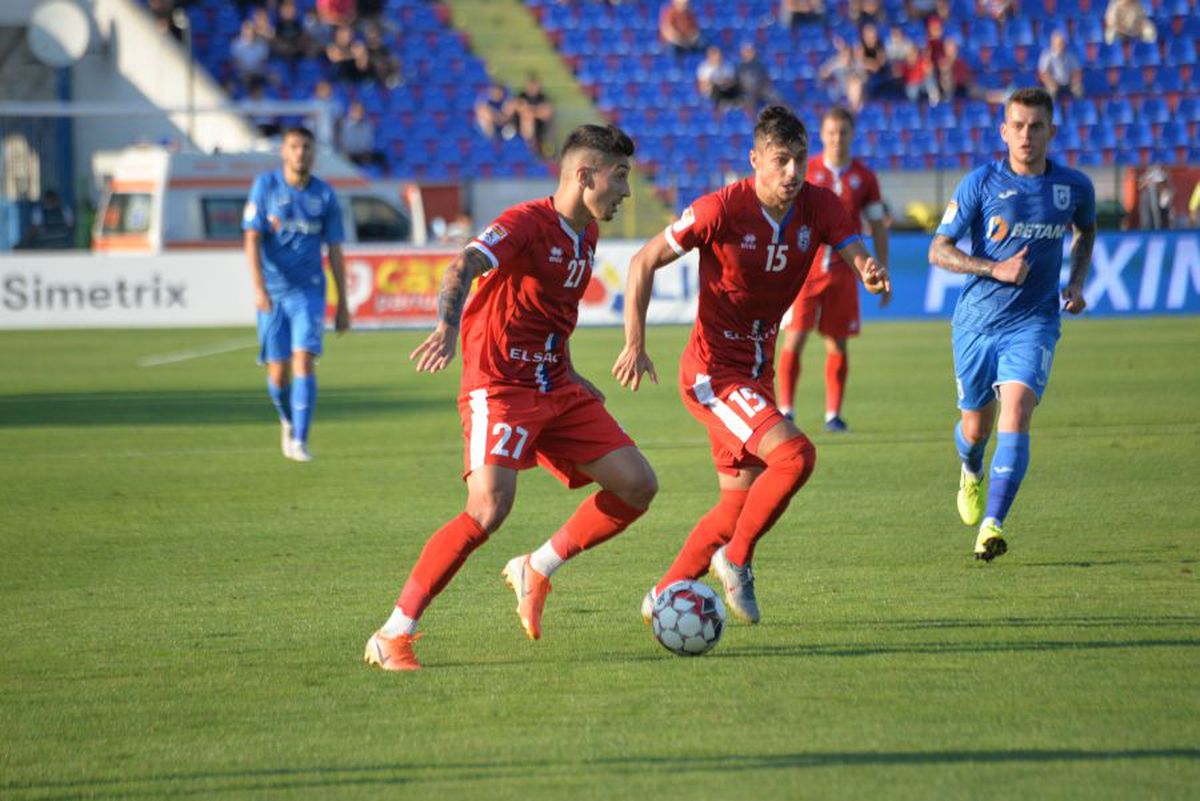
{"x": 437, "y": 351}
{"x": 1081, "y": 261}
{"x": 945, "y": 254}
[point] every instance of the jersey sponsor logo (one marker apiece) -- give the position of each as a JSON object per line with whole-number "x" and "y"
{"x": 761, "y": 335}
{"x": 492, "y": 236}
{"x": 855, "y": 182}
{"x": 1062, "y": 197}
{"x": 951, "y": 212}
{"x": 803, "y": 237}
{"x": 1007, "y": 193}
{"x": 250, "y": 211}
{"x": 685, "y": 220}
{"x": 537, "y": 357}
{"x": 1026, "y": 230}
{"x": 749, "y": 242}
{"x": 997, "y": 229}
{"x": 556, "y": 254}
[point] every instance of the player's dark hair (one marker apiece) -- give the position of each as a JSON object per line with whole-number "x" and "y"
{"x": 607, "y": 140}
{"x": 1033, "y": 97}
{"x": 840, "y": 114}
{"x": 778, "y": 125}
{"x": 298, "y": 130}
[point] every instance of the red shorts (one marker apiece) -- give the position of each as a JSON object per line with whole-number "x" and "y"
{"x": 827, "y": 302}
{"x": 518, "y": 427}
{"x": 737, "y": 411}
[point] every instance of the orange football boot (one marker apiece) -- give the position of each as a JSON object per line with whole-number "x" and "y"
{"x": 531, "y": 588}
{"x": 392, "y": 653}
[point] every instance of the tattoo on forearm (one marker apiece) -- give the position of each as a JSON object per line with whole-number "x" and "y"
{"x": 1081, "y": 254}
{"x": 456, "y": 283}
{"x": 945, "y": 254}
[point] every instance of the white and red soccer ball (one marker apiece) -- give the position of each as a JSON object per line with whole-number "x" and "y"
{"x": 688, "y": 618}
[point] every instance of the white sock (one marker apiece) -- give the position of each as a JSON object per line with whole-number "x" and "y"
{"x": 399, "y": 623}
{"x": 546, "y": 560}
{"x": 830, "y": 415}
{"x": 786, "y": 411}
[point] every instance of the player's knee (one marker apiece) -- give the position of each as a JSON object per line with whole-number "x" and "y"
{"x": 638, "y": 487}
{"x": 975, "y": 429}
{"x": 796, "y": 457}
{"x": 490, "y": 510}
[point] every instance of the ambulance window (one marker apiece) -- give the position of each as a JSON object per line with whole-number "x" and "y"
{"x": 376, "y": 221}
{"x": 223, "y": 217}
{"x": 126, "y": 213}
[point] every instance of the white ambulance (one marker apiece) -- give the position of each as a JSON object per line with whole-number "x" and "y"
{"x": 159, "y": 200}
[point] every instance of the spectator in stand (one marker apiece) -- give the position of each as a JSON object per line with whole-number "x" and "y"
{"x": 356, "y": 139}
{"x": 935, "y": 46}
{"x": 678, "y": 27}
{"x": 1128, "y": 20}
{"x": 320, "y": 33}
{"x": 955, "y": 79}
{"x": 291, "y": 40}
{"x": 999, "y": 10}
{"x": 920, "y": 81}
{"x": 495, "y": 114}
{"x": 338, "y": 53}
{"x": 1155, "y": 195}
{"x": 754, "y": 82}
{"x": 872, "y": 55}
{"x": 917, "y": 10}
{"x": 371, "y": 10}
{"x": 843, "y": 75}
{"x": 384, "y": 65}
{"x": 267, "y": 124}
{"x": 360, "y": 68}
{"x": 534, "y": 115}
{"x": 51, "y": 224}
{"x": 1059, "y": 69}
{"x": 337, "y": 12}
{"x": 801, "y": 12}
{"x": 716, "y": 78}
{"x": 322, "y": 123}
{"x": 263, "y": 27}
{"x": 897, "y": 47}
{"x": 864, "y": 11}
{"x": 249, "y": 54}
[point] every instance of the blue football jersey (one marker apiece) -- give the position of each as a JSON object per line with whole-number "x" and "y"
{"x": 1004, "y": 212}
{"x": 293, "y": 223}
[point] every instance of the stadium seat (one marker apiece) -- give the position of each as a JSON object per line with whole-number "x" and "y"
{"x": 1154, "y": 110}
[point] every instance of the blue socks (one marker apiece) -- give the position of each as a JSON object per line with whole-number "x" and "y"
{"x": 1009, "y": 463}
{"x": 971, "y": 455}
{"x": 279, "y": 397}
{"x": 304, "y": 401}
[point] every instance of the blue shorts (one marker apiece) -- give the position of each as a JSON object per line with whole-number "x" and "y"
{"x": 982, "y": 362}
{"x": 296, "y": 322}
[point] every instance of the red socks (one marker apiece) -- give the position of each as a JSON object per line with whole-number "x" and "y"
{"x": 788, "y": 374}
{"x": 440, "y": 559}
{"x": 837, "y": 365}
{"x": 788, "y": 467}
{"x": 711, "y": 532}
{"x": 600, "y": 517}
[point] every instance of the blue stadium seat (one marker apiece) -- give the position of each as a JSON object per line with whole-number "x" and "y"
{"x": 1175, "y": 134}
{"x": 1118, "y": 111}
{"x": 1082, "y": 112}
{"x": 1180, "y": 51}
{"x": 1154, "y": 110}
{"x": 1145, "y": 54}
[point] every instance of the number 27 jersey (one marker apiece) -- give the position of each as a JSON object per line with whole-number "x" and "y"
{"x": 751, "y": 268}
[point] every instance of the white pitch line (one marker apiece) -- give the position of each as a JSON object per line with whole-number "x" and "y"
{"x": 196, "y": 353}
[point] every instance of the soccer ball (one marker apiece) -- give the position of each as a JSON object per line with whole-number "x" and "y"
{"x": 688, "y": 618}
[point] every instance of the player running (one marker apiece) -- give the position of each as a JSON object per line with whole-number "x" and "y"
{"x": 1006, "y": 321}
{"x": 521, "y": 401}
{"x": 828, "y": 301}
{"x": 289, "y": 213}
{"x": 757, "y": 239}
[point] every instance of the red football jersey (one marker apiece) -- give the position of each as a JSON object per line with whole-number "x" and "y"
{"x": 751, "y": 269}
{"x": 858, "y": 189}
{"x": 515, "y": 326}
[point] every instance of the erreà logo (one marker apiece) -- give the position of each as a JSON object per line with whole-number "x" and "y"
{"x": 556, "y": 254}
{"x": 749, "y": 242}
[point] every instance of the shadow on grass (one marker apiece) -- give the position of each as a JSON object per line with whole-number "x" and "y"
{"x": 189, "y": 406}
{"x": 426, "y": 773}
{"x": 1017, "y": 646}
{"x": 1139, "y": 621}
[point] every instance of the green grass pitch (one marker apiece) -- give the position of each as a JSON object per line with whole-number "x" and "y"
{"x": 184, "y": 611}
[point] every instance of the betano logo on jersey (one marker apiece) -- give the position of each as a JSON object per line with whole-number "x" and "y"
{"x": 998, "y": 230}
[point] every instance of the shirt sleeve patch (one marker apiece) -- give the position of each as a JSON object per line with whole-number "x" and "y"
{"x": 685, "y": 220}
{"x": 951, "y": 213}
{"x": 492, "y": 236}
{"x": 250, "y": 212}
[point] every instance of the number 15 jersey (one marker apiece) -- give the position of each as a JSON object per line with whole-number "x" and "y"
{"x": 751, "y": 268}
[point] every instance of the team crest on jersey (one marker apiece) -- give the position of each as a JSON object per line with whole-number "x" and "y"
{"x": 250, "y": 211}
{"x": 951, "y": 212}
{"x": 855, "y": 182}
{"x": 804, "y": 237}
{"x": 313, "y": 205}
{"x": 685, "y": 220}
{"x": 1062, "y": 197}
{"x": 556, "y": 254}
{"x": 749, "y": 242}
{"x": 494, "y": 233}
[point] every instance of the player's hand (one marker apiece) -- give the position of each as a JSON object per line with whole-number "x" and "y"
{"x": 875, "y": 278}
{"x": 630, "y": 366}
{"x": 341, "y": 320}
{"x": 589, "y": 386}
{"x": 1013, "y": 269}
{"x": 1073, "y": 300}
{"x": 437, "y": 351}
{"x": 262, "y": 301}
